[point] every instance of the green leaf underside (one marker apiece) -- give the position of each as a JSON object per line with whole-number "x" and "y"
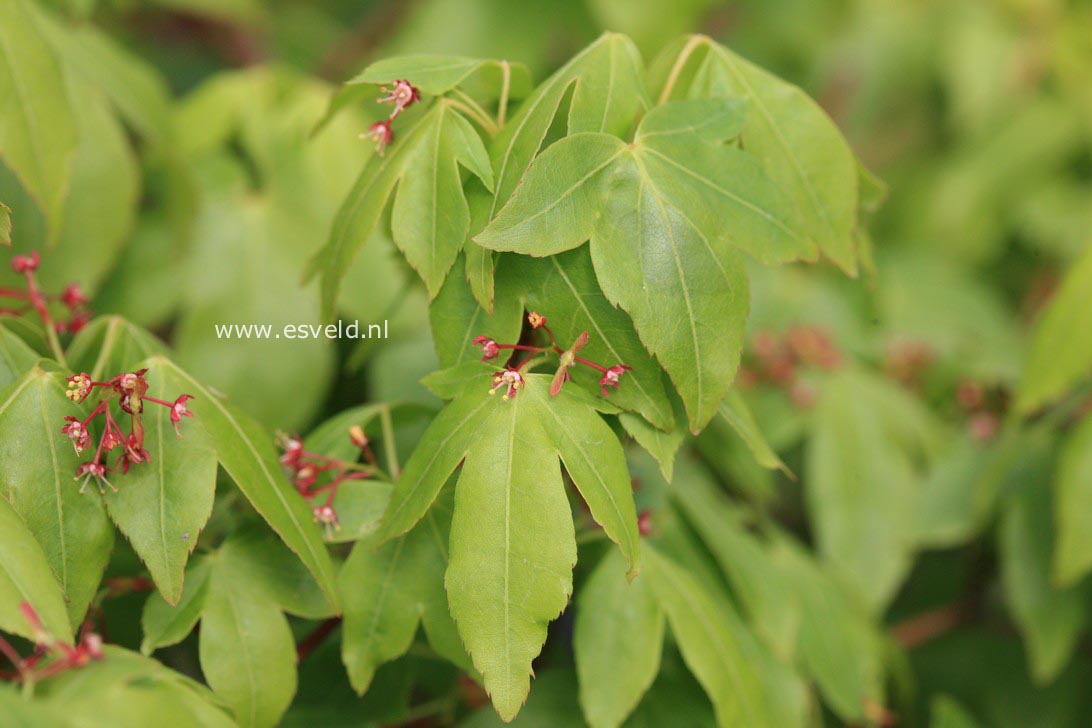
{"x": 25, "y": 576}
{"x": 861, "y": 487}
{"x": 618, "y": 642}
{"x": 432, "y": 74}
{"x": 1051, "y": 619}
{"x": 37, "y": 480}
{"x": 799, "y": 146}
{"x": 161, "y": 506}
{"x": 247, "y": 652}
{"x": 37, "y": 130}
{"x": 389, "y": 589}
{"x": 1073, "y": 505}
{"x": 666, "y": 221}
{"x": 737, "y": 414}
{"x": 430, "y": 216}
{"x": 246, "y": 452}
{"x": 1061, "y": 349}
{"x": 164, "y": 624}
{"x": 748, "y": 688}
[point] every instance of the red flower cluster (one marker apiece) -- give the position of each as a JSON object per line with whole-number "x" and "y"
{"x": 33, "y": 299}
{"x": 304, "y": 469}
{"x": 778, "y": 359}
{"x": 51, "y": 656}
{"x": 131, "y": 391}
{"x": 401, "y": 95}
{"x": 511, "y": 379}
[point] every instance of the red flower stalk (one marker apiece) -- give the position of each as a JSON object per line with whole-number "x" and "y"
{"x": 305, "y": 468}
{"x": 131, "y": 392}
{"x": 72, "y": 298}
{"x": 511, "y": 379}
{"x": 58, "y": 656}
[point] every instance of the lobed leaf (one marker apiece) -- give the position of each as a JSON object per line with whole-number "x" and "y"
{"x": 25, "y": 577}
{"x": 37, "y": 480}
{"x": 246, "y": 452}
{"x": 618, "y": 640}
{"x": 162, "y": 506}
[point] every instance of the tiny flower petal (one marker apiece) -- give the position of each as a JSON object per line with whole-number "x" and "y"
{"x": 490, "y": 348}
{"x": 611, "y": 376}
{"x": 357, "y": 436}
{"x": 381, "y": 133}
{"x": 402, "y": 94}
{"x": 536, "y": 320}
{"x": 26, "y": 263}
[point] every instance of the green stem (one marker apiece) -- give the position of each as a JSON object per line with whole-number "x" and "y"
{"x": 471, "y": 108}
{"x": 388, "y": 442}
{"x": 680, "y": 63}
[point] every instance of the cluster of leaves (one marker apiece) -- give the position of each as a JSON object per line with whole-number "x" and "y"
{"x": 808, "y": 504}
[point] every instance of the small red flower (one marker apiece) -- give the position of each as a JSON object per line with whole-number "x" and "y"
{"x": 644, "y": 523}
{"x": 381, "y": 133}
{"x": 77, "y": 433}
{"x": 79, "y": 386}
{"x": 536, "y": 320}
{"x": 611, "y": 376}
{"x": 306, "y": 476}
{"x": 490, "y": 349}
{"x": 402, "y": 94}
{"x": 26, "y": 263}
{"x": 73, "y": 296}
{"x": 178, "y": 411}
{"x": 327, "y": 516}
{"x": 98, "y": 471}
{"x": 509, "y": 378}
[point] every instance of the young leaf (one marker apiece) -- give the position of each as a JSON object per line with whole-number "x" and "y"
{"x": 25, "y": 576}
{"x": 37, "y": 480}
{"x": 430, "y": 218}
{"x": 799, "y": 146}
{"x": 1051, "y": 619}
{"x": 512, "y": 548}
{"x": 431, "y": 74}
{"x": 609, "y": 91}
{"x": 650, "y": 201}
{"x": 38, "y": 131}
{"x": 388, "y": 590}
{"x": 162, "y": 508}
{"x": 1061, "y": 352}
{"x": 564, "y": 288}
{"x": 618, "y": 641}
{"x": 164, "y": 624}
{"x": 247, "y": 652}
{"x": 721, "y": 654}
{"x": 246, "y": 452}
{"x": 1073, "y": 506}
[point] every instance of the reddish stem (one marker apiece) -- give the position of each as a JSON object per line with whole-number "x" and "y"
{"x": 312, "y": 641}
{"x": 591, "y": 364}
